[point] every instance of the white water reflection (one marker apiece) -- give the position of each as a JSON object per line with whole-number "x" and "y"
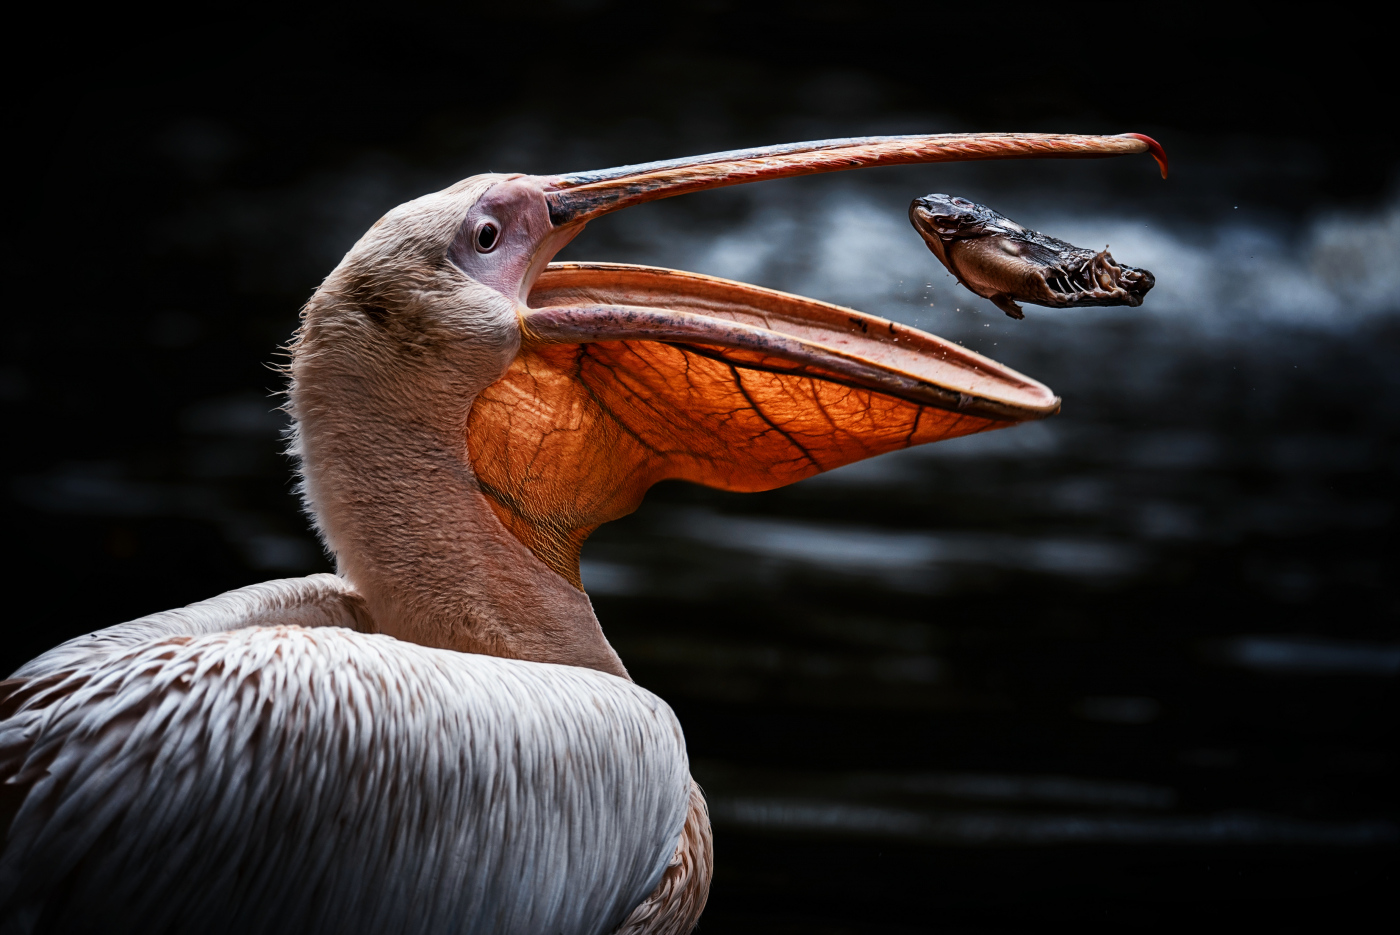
{"x": 612, "y": 578}
{"x": 876, "y": 551}
{"x": 923, "y": 807}
{"x": 1028, "y": 441}
{"x": 1009, "y": 828}
{"x": 980, "y": 787}
{"x": 723, "y": 657}
{"x": 1309, "y": 656}
{"x": 911, "y": 562}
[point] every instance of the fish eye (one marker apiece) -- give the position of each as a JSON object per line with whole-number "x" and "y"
{"x": 486, "y": 237}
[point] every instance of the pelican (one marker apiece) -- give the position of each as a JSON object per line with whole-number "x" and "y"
{"x": 439, "y": 738}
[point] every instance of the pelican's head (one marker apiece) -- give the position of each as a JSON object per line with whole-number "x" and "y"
{"x": 453, "y": 271}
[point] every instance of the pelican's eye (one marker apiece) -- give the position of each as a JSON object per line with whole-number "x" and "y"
{"x": 486, "y": 237}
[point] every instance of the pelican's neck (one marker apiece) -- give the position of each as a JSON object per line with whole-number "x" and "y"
{"x": 388, "y": 476}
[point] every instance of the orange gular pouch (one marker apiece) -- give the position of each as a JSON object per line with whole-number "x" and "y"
{"x": 631, "y": 375}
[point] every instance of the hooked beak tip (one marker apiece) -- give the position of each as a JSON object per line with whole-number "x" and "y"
{"x": 1153, "y": 147}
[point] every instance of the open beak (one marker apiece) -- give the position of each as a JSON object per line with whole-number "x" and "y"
{"x": 732, "y": 320}
{"x": 582, "y": 196}
{"x": 628, "y": 375}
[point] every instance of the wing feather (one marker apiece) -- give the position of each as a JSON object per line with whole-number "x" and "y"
{"x": 313, "y": 601}
{"x": 283, "y": 779}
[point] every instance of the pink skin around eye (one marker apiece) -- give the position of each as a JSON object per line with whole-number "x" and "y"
{"x": 517, "y": 209}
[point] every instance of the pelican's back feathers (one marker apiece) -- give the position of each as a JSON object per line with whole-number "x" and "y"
{"x": 313, "y": 601}
{"x": 284, "y": 779}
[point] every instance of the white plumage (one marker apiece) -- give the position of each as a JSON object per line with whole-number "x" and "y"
{"x": 313, "y": 601}
{"x": 287, "y": 779}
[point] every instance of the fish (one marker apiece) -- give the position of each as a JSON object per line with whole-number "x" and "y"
{"x": 1001, "y": 261}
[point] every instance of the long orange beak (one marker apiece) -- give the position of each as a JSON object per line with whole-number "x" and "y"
{"x": 582, "y": 196}
{"x": 628, "y": 375}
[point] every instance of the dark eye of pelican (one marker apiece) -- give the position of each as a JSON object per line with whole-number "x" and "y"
{"x": 486, "y": 238}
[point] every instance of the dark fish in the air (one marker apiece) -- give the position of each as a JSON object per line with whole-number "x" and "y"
{"x": 1002, "y": 261}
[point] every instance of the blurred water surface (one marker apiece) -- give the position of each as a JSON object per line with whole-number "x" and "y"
{"x": 1145, "y": 650}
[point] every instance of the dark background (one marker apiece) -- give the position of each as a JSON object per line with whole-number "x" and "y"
{"x": 1134, "y": 667}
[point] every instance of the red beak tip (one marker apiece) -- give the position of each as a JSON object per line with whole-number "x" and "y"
{"x": 1153, "y": 147}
